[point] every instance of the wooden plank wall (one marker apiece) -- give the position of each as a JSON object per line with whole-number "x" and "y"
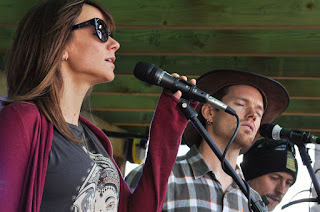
{"x": 279, "y": 39}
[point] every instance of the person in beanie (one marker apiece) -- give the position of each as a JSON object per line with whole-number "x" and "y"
{"x": 197, "y": 181}
{"x": 270, "y": 168}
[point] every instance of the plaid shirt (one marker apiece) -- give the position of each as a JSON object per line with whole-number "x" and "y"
{"x": 192, "y": 186}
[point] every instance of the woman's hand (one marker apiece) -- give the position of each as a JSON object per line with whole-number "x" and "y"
{"x": 178, "y": 94}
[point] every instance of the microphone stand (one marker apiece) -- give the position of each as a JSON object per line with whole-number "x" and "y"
{"x": 305, "y": 157}
{"x": 191, "y": 114}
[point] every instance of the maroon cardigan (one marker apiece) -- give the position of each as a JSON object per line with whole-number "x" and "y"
{"x": 25, "y": 143}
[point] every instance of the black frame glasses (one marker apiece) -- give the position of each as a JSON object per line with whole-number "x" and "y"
{"x": 102, "y": 31}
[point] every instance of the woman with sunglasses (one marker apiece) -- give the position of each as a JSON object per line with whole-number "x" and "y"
{"x": 51, "y": 158}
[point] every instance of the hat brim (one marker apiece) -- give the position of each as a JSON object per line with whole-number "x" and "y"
{"x": 275, "y": 95}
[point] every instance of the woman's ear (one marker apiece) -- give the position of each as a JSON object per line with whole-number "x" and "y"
{"x": 207, "y": 112}
{"x": 65, "y": 53}
{"x": 65, "y": 56}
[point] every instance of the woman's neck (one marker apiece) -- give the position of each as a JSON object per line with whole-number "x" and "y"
{"x": 71, "y": 100}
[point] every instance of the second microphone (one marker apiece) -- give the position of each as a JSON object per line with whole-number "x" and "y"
{"x": 154, "y": 75}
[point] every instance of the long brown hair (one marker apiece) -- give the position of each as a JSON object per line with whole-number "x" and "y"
{"x": 33, "y": 65}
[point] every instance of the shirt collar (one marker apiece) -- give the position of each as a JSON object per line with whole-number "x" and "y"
{"x": 240, "y": 174}
{"x": 198, "y": 165}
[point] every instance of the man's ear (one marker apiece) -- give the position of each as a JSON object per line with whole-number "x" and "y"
{"x": 207, "y": 112}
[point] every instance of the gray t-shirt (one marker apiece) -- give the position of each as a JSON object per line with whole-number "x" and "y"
{"x": 77, "y": 179}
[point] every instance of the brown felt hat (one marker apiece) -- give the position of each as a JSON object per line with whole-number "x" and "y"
{"x": 275, "y": 96}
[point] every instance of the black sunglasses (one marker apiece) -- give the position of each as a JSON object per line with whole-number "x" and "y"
{"x": 102, "y": 31}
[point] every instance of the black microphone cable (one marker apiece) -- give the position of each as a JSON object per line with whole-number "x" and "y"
{"x": 223, "y": 160}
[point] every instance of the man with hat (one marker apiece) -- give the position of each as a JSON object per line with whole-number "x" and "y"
{"x": 197, "y": 181}
{"x": 270, "y": 168}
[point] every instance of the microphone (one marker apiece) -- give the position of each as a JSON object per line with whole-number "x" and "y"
{"x": 274, "y": 131}
{"x": 154, "y": 75}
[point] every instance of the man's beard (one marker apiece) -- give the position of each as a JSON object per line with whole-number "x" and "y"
{"x": 275, "y": 196}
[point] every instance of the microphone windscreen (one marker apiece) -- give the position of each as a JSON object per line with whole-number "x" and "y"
{"x": 145, "y": 72}
{"x": 266, "y": 130}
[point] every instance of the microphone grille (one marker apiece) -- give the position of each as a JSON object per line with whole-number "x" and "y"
{"x": 145, "y": 72}
{"x": 266, "y": 130}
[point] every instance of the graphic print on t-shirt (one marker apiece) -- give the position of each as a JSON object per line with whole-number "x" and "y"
{"x": 100, "y": 190}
